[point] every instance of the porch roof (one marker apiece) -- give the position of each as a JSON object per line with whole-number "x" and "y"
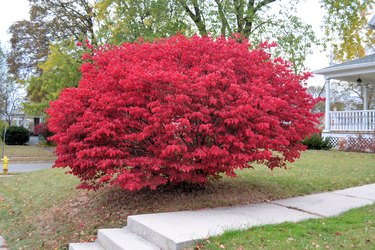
{"x": 351, "y": 71}
{"x": 371, "y": 24}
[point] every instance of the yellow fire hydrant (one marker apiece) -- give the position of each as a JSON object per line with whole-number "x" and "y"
{"x": 5, "y": 165}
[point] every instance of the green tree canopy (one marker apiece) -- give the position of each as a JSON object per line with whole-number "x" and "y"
{"x": 44, "y": 57}
{"x": 51, "y": 21}
{"x": 59, "y": 71}
{"x": 122, "y": 21}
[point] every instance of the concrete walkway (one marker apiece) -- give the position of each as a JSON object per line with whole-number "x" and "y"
{"x": 178, "y": 230}
{"x": 27, "y": 167}
{"x": 33, "y": 140}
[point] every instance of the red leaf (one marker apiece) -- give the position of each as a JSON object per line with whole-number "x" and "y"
{"x": 179, "y": 110}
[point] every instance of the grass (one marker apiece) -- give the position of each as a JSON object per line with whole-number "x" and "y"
{"x": 43, "y": 210}
{"x": 23, "y": 198}
{"x": 25, "y": 154}
{"x": 315, "y": 171}
{"x": 352, "y": 230}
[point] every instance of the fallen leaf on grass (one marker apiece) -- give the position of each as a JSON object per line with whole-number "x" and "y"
{"x": 199, "y": 247}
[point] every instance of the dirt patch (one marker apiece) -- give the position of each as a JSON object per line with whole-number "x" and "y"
{"x": 88, "y": 211}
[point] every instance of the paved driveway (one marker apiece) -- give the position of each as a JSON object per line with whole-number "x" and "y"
{"x": 34, "y": 140}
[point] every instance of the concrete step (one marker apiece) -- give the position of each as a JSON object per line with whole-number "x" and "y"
{"x": 85, "y": 246}
{"x": 162, "y": 240}
{"x": 178, "y": 230}
{"x": 122, "y": 239}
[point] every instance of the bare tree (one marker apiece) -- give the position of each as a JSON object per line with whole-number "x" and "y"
{"x": 11, "y": 99}
{"x": 10, "y": 91}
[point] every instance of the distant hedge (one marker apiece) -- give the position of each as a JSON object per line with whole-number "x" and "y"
{"x": 16, "y": 135}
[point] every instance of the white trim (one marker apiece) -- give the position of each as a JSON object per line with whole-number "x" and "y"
{"x": 327, "y": 126}
{"x": 347, "y": 135}
{"x": 351, "y": 111}
{"x": 345, "y": 67}
{"x": 371, "y": 23}
{"x": 353, "y": 73}
{"x": 365, "y": 97}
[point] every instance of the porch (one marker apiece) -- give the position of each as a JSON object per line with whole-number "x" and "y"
{"x": 352, "y": 121}
{"x": 357, "y": 124}
{"x": 356, "y": 129}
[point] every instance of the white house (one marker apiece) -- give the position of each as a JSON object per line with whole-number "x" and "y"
{"x": 19, "y": 118}
{"x": 344, "y": 124}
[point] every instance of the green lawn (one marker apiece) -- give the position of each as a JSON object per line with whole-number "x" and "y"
{"x": 24, "y": 154}
{"x": 43, "y": 210}
{"x": 352, "y": 230}
{"x": 315, "y": 171}
{"x": 24, "y": 198}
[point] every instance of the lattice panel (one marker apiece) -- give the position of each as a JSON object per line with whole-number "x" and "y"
{"x": 334, "y": 141}
{"x": 358, "y": 144}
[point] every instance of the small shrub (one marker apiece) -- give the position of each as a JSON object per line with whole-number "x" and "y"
{"x": 316, "y": 141}
{"x": 44, "y": 133}
{"x": 16, "y": 135}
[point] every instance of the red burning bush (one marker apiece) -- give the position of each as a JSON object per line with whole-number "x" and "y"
{"x": 179, "y": 110}
{"x": 42, "y": 130}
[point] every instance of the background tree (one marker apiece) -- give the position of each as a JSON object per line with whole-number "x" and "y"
{"x": 226, "y": 17}
{"x": 353, "y": 92}
{"x": 344, "y": 96}
{"x": 11, "y": 98}
{"x": 59, "y": 71}
{"x": 10, "y": 95}
{"x": 345, "y": 26}
{"x": 43, "y": 54}
{"x": 56, "y": 23}
{"x": 51, "y": 21}
{"x": 122, "y": 21}
{"x": 316, "y": 92}
{"x": 128, "y": 20}
{"x": 349, "y": 37}
{"x": 295, "y": 39}
{"x": 3, "y": 65}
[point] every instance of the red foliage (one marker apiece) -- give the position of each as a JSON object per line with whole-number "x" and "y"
{"x": 179, "y": 110}
{"x": 44, "y": 133}
{"x": 42, "y": 130}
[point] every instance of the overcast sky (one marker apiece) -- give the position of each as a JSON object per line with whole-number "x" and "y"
{"x": 11, "y": 11}
{"x": 309, "y": 11}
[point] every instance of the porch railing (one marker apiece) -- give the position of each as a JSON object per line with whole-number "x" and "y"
{"x": 362, "y": 120}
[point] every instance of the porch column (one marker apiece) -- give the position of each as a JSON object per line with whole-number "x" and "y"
{"x": 365, "y": 97}
{"x": 327, "y": 127}
{"x": 365, "y": 107}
